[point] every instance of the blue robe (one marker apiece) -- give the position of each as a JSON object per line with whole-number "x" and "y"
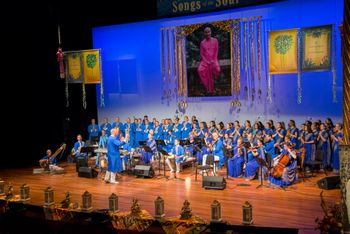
{"x": 158, "y": 133}
{"x": 145, "y": 132}
{"x": 120, "y": 126}
{"x": 178, "y": 151}
{"x": 294, "y": 140}
{"x": 93, "y": 130}
{"x": 169, "y": 141}
{"x": 177, "y": 131}
{"x": 257, "y": 133}
{"x": 147, "y": 156}
{"x": 235, "y": 164}
{"x": 138, "y": 134}
{"x": 335, "y": 159}
{"x": 324, "y": 146}
{"x": 269, "y": 148}
{"x": 107, "y": 127}
{"x": 113, "y": 155}
{"x": 185, "y": 131}
{"x": 252, "y": 165}
{"x": 53, "y": 161}
{"x": 289, "y": 174}
{"x": 309, "y": 148}
{"x": 217, "y": 151}
{"x": 76, "y": 147}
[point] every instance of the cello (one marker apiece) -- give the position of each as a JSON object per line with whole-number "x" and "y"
{"x": 277, "y": 170}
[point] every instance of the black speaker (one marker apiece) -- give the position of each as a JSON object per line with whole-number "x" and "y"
{"x": 81, "y": 162}
{"x": 87, "y": 172}
{"x": 143, "y": 171}
{"x": 214, "y": 182}
{"x": 329, "y": 182}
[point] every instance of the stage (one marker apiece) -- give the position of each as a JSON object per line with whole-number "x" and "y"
{"x": 296, "y": 207}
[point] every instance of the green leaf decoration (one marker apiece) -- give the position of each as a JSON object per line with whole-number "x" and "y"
{"x": 282, "y": 44}
{"x": 91, "y": 60}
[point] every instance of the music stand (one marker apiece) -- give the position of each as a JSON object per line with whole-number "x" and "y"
{"x": 199, "y": 141}
{"x": 159, "y": 143}
{"x": 184, "y": 142}
{"x": 94, "y": 140}
{"x": 262, "y": 164}
{"x": 227, "y": 155}
{"x": 166, "y": 154}
{"x": 87, "y": 150}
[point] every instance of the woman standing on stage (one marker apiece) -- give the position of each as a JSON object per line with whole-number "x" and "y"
{"x": 337, "y": 138}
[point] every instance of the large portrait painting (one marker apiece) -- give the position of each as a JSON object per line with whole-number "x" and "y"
{"x": 208, "y": 60}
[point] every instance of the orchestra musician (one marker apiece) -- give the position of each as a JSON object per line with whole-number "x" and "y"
{"x": 289, "y": 171}
{"x": 106, "y": 126}
{"x": 176, "y": 153}
{"x": 101, "y": 144}
{"x": 186, "y": 128}
{"x": 113, "y": 155}
{"x": 75, "y": 153}
{"x": 254, "y": 152}
{"x": 215, "y": 147}
{"x": 147, "y": 157}
{"x": 235, "y": 164}
{"x": 52, "y": 162}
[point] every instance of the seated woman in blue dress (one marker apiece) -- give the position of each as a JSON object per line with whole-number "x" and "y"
{"x": 288, "y": 175}
{"x": 252, "y": 165}
{"x": 235, "y": 164}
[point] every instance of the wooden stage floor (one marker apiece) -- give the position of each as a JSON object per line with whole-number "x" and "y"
{"x": 297, "y": 207}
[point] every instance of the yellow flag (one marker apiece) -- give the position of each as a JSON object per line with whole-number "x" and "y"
{"x": 92, "y": 70}
{"x": 283, "y": 51}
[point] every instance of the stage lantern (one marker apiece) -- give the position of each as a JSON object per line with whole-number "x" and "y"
{"x": 2, "y": 187}
{"x": 216, "y": 211}
{"x": 48, "y": 197}
{"x": 113, "y": 203}
{"x": 247, "y": 210}
{"x": 159, "y": 207}
{"x": 24, "y": 193}
{"x": 86, "y": 198}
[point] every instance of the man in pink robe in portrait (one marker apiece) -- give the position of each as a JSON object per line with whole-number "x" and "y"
{"x": 209, "y": 66}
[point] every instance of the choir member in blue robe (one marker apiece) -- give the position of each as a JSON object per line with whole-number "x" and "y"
{"x": 113, "y": 156}
{"x": 139, "y": 132}
{"x": 177, "y": 153}
{"x": 212, "y": 127}
{"x": 229, "y": 129}
{"x": 323, "y": 139}
{"x": 195, "y": 130}
{"x": 269, "y": 146}
{"x": 146, "y": 128}
{"x": 186, "y": 128}
{"x": 118, "y": 124}
{"x": 289, "y": 172}
{"x": 128, "y": 130}
{"x": 247, "y": 129}
{"x": 164, "y": 125}
{"x": 293, "y": 133}
{"x": 106, "y": 127}
{"x": 147, "y": 156}
{"x": 157, "y": 131}
{"x": 236, "y": 134}
{"x": 308, "y": 144}
{"x": 228, "y": 144}
{"x": 177, "y": 129}
{"x": 77, "y": 147}
{"x": 337, "y": 138}
{"x": 93, "y": 129}
{"x": 170, "y": 125}
{"x": 268, "y": 129}
{"x": 235, "y": 164}
{"x": 169, "y": 141}
{"x": 203, "y": 129}
{"x": 221, "y": 130}
{"x": 279, "y": 135}
{"x": 190, "y": 148}
{"x": 101, "y": 144}
{"x": 257, "y": 132}
{"x": 252, "y": 166}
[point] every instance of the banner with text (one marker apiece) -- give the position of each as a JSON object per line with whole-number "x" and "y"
{"x": 166, "y": 8}
{"x": 74, "y": 66}
{"x": 316, "y": 48}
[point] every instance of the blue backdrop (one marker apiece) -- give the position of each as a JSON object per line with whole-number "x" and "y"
{"x": 132, "y": 76}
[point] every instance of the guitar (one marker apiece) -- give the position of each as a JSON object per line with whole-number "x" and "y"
{"x": 46, "y": 162}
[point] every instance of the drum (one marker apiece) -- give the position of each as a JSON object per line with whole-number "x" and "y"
{"x": 103, "y": 162}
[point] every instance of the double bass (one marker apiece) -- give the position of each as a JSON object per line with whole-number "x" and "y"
{"x": 277, "y": 170}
